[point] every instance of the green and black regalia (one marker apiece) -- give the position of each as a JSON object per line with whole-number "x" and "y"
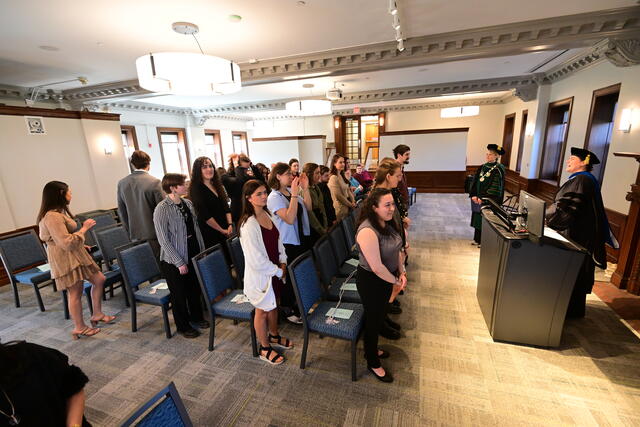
{"x": 488, "y": 183}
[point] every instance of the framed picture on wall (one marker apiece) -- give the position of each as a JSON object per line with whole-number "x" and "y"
{"x": 35, "y": 125}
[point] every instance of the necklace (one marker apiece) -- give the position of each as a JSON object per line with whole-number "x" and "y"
{"x": 487, "y": 173}
{"x": 14, "y": 420}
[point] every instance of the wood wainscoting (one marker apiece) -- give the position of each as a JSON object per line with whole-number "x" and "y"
{"x": 437, "y": 181}
{"x": 617, "y": 222}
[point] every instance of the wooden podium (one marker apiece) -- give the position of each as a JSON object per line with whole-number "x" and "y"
{"x": 627, "y": 275}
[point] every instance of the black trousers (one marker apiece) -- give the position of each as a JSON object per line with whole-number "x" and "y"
{"x": 374, "y": 293}
{"x": 584, "y": 283}
{"x": 185, "y": 296}
{"x": 477, "y": 236}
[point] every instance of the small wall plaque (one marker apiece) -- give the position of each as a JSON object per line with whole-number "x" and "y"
{"x": 35, "y": 125}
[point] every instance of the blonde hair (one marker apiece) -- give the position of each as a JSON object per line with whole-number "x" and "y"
{"x": 387, "y": 166}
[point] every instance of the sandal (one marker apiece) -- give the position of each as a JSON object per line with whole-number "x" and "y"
{"x": 276, "y": 359}
{"x": 280, "y": 341}
{"x": 86, "y": 332}
{"x": 108, "y": 320}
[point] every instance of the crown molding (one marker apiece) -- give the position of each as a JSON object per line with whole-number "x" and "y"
{"x": 563, "y": 32}
{"x": 425, "y": 106}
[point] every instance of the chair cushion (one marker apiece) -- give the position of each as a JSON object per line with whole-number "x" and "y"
{"x": 226, "y": 308}
{"x": 348, "y": 296}
{"x": 112, "y": 276}
{"x": 33, "y": 276}
{"x": 160, "y": 297}
{"x": 346, "y": 269}
{"x": 347, "y": 329}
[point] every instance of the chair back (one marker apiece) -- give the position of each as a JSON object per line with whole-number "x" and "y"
{"x": 20, "y": 250}
{"x": 104, "y": 219}
{"x": 163, "y": 409}
{"x": 336, "y": 236}
{"x": 137, "y": 264}
{"x": 237, "y": 256}
{"x": 325, "y": 260}
{"x": 108, "y": 239}
{"x": 213, "y": 272}
{"x": 306, "y": 283}
{"x": 349, "y": 232}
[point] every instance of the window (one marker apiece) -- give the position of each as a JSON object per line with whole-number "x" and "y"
{"x": 352, "y": 129}
{"x": 523, "y": 132}
{"x": 239, "y": 140}
{"x": 598, "y": 138}
{"x": 213, "y": 147}
{"x": 129, "y": 142}
{"x": 174, "y": 150}
{"x": 555, "y": 140}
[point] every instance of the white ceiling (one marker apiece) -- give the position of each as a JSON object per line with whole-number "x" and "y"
{"x": 102, "y": 39}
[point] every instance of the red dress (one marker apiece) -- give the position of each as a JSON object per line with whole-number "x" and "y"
{"x": 270, "y": 239}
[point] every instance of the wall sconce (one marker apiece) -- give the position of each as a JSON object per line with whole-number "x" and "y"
{"x": 381, "y": 121}
{"x": 625, "y": 120}
{"x": 336, "y": 122}
{"x": 107, "y": 146}
{"x": 529, "y": 130}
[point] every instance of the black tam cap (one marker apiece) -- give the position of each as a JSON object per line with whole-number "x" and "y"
{"x": 585, "y": 155}
{"x": 497, "y": 148}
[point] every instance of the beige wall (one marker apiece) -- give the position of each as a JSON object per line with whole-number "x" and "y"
{"x": 71, "y": 151}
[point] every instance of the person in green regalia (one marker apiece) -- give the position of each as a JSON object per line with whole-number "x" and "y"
{"x": 488, "y": 183}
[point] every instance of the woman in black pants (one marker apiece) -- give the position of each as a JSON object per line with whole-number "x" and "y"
{"x": 180, "y": 240}
{"x": 381, "y": 274}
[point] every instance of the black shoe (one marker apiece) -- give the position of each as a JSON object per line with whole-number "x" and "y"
{"x": 189, "y": 333}
{"x": 396, "y": 303}
{"x": 393, "y": 309}
{"x": 202, "y": 324}
{"x": 390, "y": 333}
{"x": 387, "y": 378}
{"x": 392, "y": 324}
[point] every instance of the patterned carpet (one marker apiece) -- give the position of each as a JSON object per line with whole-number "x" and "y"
{"x": 448, "y": 370}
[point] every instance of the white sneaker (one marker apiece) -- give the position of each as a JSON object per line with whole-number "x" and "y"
{"x": 295, "y": 319}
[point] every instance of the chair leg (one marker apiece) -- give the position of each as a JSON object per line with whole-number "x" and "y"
{"x": 16, "y": 296}
{"x": 354, "y": 345}
{"x": 55, "y": 288}
{"x": 65, "y": 304}
{"x": 303, "y": 359}
{"x": 134, "y": 317}
{"x": 254, "y": 344}
{"x": 212, "y": 328}
{"x": 165, "y": 318}
{"x": 36, "y": 289}
{"x": 126, "y": 296}
{"x": 235, "y": 322}
{"x": 87, "y": 292}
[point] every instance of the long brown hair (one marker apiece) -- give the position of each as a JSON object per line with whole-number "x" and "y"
{"x": 195, "y": 187}
{"x": 387, "y": 166}
{"x": 248, "y": 189}
{"x": 309, "y": 169}
{"x": 367, "y": 212}
{"x": 279, "y": 169}
{"x": 334, "y": 170}
{"x": 54, "y": 198}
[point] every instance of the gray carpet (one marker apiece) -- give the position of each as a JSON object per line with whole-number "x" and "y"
{"x": 448, "y": 370}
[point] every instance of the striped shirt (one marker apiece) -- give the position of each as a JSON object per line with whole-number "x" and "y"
{"x": 172, "y": 232}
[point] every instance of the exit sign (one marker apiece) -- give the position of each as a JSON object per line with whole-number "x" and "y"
{"x": 356, "y": 110}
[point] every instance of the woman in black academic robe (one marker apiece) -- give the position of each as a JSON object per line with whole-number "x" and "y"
{"x": 488, "y": 183}
{"x": 578, "y": 213}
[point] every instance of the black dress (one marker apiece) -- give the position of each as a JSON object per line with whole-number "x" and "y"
{"x": 578, "y": 213}
{"x": 328, "y": 202}
{"x": 41, "y": 383}
{"x": 209, "y": 205}
{"x": 233, "y": 183}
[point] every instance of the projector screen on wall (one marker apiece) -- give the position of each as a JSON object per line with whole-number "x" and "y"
{"x": 430, "y": 150}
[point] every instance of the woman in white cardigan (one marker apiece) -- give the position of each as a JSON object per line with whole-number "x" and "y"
{"x": 265, "y": 266}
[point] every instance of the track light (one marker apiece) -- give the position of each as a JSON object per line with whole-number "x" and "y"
{"x": 396, "y": 22}
{"x": 400, "y": 45}
{"x": 398, "y": 35}
{"x": 393, "y": 8}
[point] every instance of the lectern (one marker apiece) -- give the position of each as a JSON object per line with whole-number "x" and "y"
{"x": 524, "y": 283}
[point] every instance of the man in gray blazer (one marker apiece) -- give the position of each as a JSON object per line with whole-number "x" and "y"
{"x": 138, "y": 195}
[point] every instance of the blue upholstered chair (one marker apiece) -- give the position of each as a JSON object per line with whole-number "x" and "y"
{"x": 138, "y": 266}
{"x": 328, "y": 270}
{"x": 237, "y": 258}
{"x": 162, "y": 410}
{"x": 215, "y": 279}
{"x": 341, "y": 251}
{"x": 19, "y": 251}
{"x": 102, "y": 219}
{"x": 306, "y": 286}
{"x": 108, "y": 239}
{"x": 348, "y": 228}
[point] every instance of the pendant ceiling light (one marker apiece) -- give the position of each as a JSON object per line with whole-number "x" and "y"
{"x": 309, "y": 107}
{"x": 182, "y": 73}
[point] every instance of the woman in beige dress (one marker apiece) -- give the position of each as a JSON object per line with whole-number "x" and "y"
{"x": 343, "y": 199}
{"x": 70, "y": 262}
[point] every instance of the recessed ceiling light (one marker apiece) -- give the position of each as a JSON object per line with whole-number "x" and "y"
{"x": 49, "y": 48}
{"x": 308, "y": 85}
{"x": 253, "y": 61}
{"x": 235, "y": 18}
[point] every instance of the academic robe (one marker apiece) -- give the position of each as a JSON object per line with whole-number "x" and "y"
{"x": 491, "y": 187}
{"x": 578, "y": 213}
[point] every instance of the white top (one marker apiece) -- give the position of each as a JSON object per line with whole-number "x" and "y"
{"x": 258, "y": 269}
